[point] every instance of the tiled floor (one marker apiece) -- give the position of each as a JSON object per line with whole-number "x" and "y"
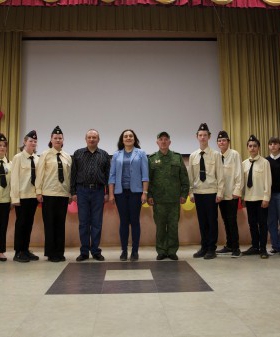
{"x": 189, "y": 298}
{"x": 128, "y": 278}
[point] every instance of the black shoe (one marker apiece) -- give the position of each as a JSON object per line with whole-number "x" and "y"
{"x": 123, "y": 256}
{"x": 264, "y": 254}
{"x": 224, "y": 250}
{"x": 200, "y": 253}
{"x": 134, "y": 256}
{"x": 236, "y": 253}
{"x": 251, "y": 251}
{"x": 98, "y": 257}
{"x": 31, "y": 256}
{"x": 173, "y": 257}
{"x": 82, "y": 258}
{"x": 62, "y": 258}
{"x": 273, "y": 251}
{"x": 3, "y": 259}
{"x": 211, "y": 254}
{"x": 54, "y": 259}
{"x": 21, "y": 257}
{"x": 161, "y": 257}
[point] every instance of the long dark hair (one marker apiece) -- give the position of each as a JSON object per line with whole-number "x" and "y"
{"x": 136, "y": 140}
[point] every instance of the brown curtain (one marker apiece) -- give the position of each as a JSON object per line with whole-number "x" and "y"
{"x": 10, "y": 87}
{"x": 169, "y": 19}
{"x": 250, "y": 78}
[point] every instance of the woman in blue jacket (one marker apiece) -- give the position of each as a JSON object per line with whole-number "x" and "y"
{"x": 128, "y": 186}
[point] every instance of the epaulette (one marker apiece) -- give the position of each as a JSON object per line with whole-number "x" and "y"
{"x": 151, "y": 155}
{"x": 177, "y": 153}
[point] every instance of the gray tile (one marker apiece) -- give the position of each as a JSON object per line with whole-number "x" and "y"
{"x": 89, "y": 278}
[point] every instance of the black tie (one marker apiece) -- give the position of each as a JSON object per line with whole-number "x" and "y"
{"x": 202, "y": 167}
{"x": 60, "y": 169}
{"x": 33, "y": 173}
{"x": 223, "y": 159}
{"x": 3, "y": 181}
{"x": 250, "y": 175}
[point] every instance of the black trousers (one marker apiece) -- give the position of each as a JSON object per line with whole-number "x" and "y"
{"x": 228, "y": 210}
{"x": 4, "y": 220}
{"x": 54, "y": 211}
{"x": 207, "y": 213}
{"x": 24, "y": 223}
{"x": 257, "y": 218}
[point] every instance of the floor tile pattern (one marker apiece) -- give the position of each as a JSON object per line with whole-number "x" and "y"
{"x": 125, "y": 278}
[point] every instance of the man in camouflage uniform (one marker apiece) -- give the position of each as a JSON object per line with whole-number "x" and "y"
{"x": 168, "y": 188}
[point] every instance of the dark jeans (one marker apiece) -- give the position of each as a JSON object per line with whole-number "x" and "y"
{"x": 273, "y": 220}
{"x": 54, "y": 211}
{"x": 228, "y": 210}
{"x": 4, "y": 220}
{"x": 207, "y": 213}
{"x": 257, "y": 218}
{"x": 129, "y": 207}
{"x": 90, "y": 212}
{"x": 24, "y": 223}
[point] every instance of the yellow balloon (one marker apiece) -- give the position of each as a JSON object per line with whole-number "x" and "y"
{"x": 188, "y": 205}
{"x": 145, "y": 205}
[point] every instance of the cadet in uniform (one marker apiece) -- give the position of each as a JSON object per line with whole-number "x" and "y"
{"x": 5, "y": 200}
{"x": 23, "y": 196}
{"x": 53, "y": 191}
{"x": 274, "y": 204}
{"x": 257, "y": 192}
{"x": 206, "y": 190}
{"x": 168, "y": 188}
{"x": 234, "y": 183}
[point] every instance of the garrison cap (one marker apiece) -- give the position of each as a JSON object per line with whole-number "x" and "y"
{"x": 32, "y": 134}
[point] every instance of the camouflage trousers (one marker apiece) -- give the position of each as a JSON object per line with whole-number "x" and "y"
{"x": 166, "y": 217}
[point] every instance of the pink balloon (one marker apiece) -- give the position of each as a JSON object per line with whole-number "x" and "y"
{"x": 239, "y": 204}
{"x": 73, "y": 207}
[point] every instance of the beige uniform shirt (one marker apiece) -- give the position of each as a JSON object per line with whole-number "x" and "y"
{"x": 5, "y": 192}
{"x": 233, "y": 174}
{"x": 214, "y": 182}
{"x": 21, "y": 187}
{"x": 47, "y": 182}
{"x": 261, "y": 189}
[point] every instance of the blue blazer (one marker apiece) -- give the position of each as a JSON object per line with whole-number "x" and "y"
{"x": 139, "y": 171}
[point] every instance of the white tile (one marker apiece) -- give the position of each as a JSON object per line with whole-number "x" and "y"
{"x": 127, "y": 275}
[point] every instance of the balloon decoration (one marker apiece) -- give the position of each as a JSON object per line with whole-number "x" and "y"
{"x": 188, "y": 205}
{"x": 165, "y": 2}
{"x": 272, "y": 2}
{"x": 73, "y": 207}
{"x": 239, "y": 204}
{"x": 221, "y": 2}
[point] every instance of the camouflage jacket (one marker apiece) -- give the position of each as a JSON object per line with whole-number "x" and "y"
{"x": 168, "y": 177}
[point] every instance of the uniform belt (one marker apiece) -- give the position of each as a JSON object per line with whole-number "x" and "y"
{"x": 92, "y": 186}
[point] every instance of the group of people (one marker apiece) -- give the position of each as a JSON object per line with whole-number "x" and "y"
{"x": 214, "y": 179}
